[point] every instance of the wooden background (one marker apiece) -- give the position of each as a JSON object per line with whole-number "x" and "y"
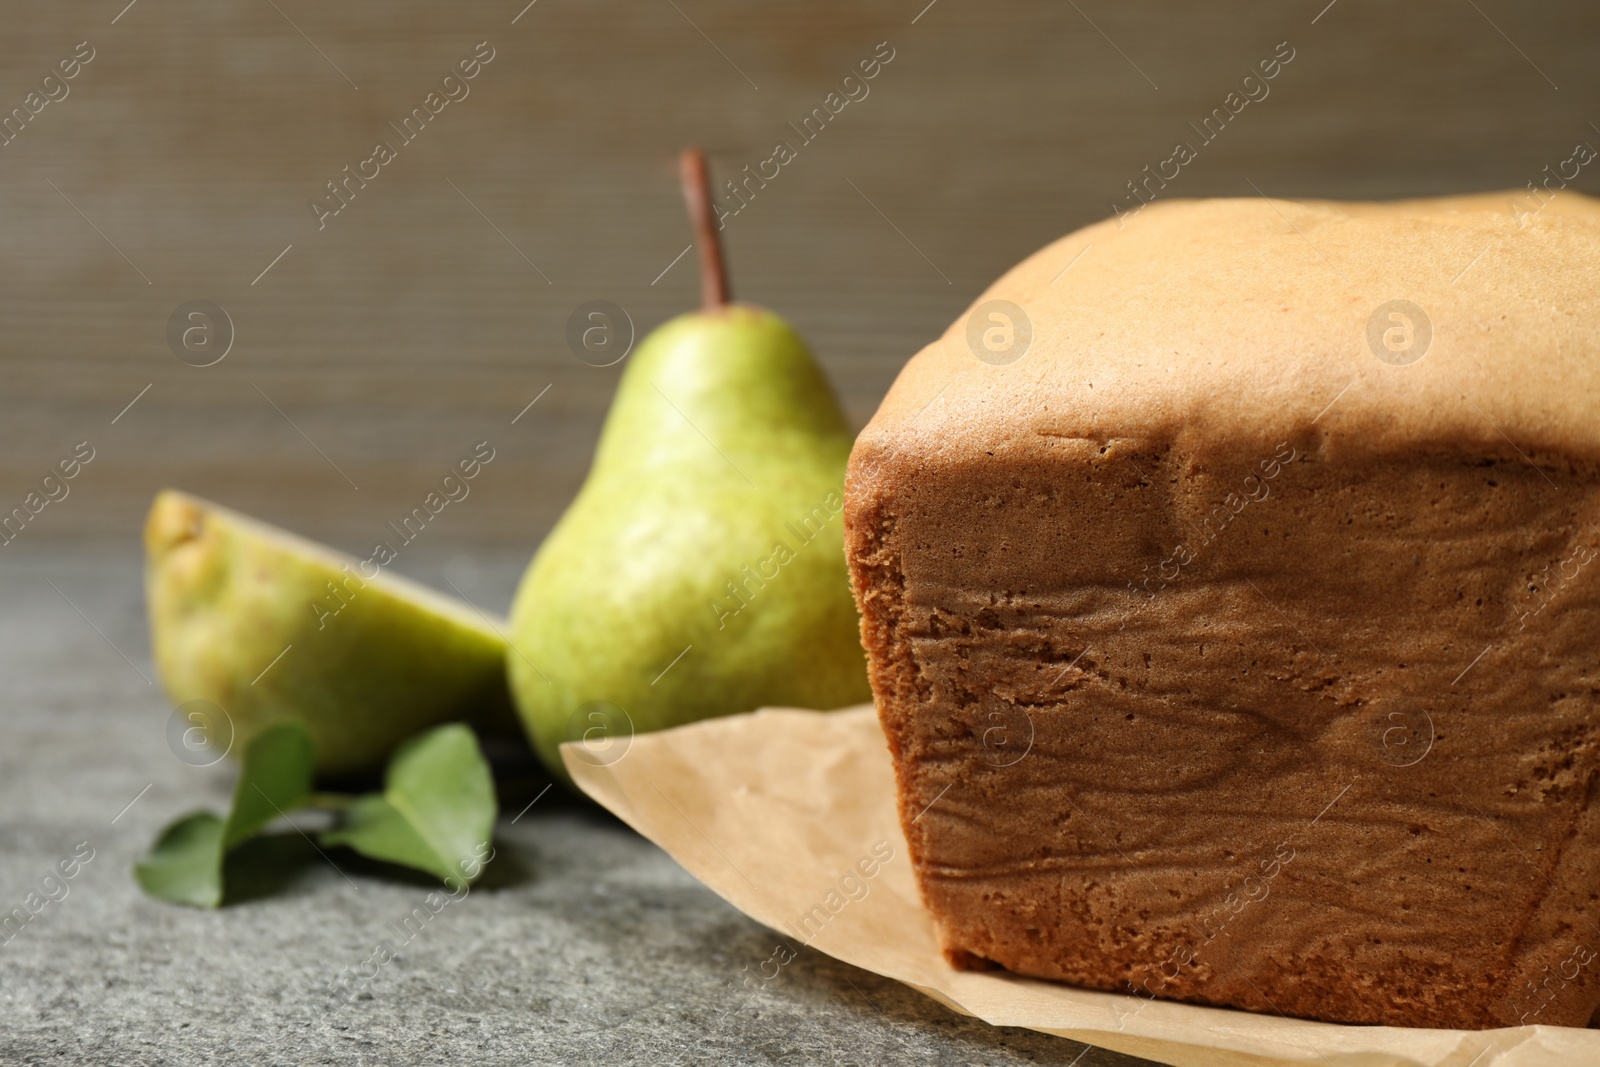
{"x": 416, "y": 323}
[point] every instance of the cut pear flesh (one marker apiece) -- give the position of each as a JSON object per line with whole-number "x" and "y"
{"x": 262, "y": 626}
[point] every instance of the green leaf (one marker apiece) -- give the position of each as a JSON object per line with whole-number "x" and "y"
{"x": 274, "y": 779}
{"x": 435, "y": 813}
{"x": 185, "y": 864}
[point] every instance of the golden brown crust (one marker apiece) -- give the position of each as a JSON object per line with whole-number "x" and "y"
{"x": 1198, "y": 690}
{"x": 1241, "y": 317}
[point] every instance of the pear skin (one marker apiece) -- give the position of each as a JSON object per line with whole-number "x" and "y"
{"x": 700, "y": 571}
{"x": 269, "y": 626}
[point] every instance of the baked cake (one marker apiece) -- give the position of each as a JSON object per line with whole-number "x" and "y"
{"x": 1228, "y": 580}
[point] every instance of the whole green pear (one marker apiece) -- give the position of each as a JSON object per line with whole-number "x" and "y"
{"x": 700, "y": 571}
{"x": 251, "y": 625}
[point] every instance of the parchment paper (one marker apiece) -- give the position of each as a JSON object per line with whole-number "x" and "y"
{"x": 783, "y": 813}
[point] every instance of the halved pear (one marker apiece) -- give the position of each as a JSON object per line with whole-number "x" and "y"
{"x": 269, "y": 626}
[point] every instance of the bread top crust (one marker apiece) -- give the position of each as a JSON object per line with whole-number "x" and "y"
{"x": 1247, "y": 320}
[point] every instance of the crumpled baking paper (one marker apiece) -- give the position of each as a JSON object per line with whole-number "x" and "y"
{"x": 790, "y": 817}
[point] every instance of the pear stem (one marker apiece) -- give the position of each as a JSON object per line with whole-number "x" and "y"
{"x": 697, "y": 194}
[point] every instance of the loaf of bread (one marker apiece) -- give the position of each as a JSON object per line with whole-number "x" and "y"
{"x": 1228, "y": 580}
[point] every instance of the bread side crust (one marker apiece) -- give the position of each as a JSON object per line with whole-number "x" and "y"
{"x": 1201, "y": 788}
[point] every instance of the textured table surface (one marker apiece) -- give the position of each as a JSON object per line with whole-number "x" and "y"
{"x": 583, "y": 944}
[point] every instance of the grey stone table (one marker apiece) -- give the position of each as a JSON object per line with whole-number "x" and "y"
{"x": 583, "y": 944}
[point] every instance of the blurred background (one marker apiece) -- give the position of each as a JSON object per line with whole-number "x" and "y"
{"x": 166, "y": 159}
{"x": 373, "y": 348}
